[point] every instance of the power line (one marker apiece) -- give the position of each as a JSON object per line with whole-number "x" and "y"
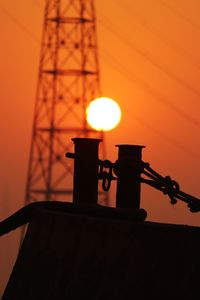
{"x": 148, "y": 58}
{"x": 112, "y": 60}
{"x": 156, "y": 95}
{"x": 174, "y": 46}
{"x": 138, "y": 81}
{"x": 179, "y": 14}
{"x": 19, "y": 24}
{"x": 165, "y": 101}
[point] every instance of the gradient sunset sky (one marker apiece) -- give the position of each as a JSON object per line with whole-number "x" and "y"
{"x": 149, "y": 53}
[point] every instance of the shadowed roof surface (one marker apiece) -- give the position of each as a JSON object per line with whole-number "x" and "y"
{"x": 66, "y": 255}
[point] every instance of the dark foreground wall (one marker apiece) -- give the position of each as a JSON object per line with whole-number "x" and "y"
{"x": 79, "y": 256}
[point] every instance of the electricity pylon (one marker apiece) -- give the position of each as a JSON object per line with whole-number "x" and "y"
{"x": 68, "y": 81}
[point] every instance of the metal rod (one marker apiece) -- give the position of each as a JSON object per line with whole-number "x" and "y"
{"x": 128, "y": 171}
{"x": 86, "y": 170}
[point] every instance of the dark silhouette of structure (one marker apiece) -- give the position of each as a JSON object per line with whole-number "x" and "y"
{"x": 83, "y": 250}
{"x": 68, "y": 81}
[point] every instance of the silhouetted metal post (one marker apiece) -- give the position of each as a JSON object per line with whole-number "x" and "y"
{"x": 128, "y": 172}
{"x": 86, "y": 170}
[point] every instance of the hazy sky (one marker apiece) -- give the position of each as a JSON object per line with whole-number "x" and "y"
{"x": 149, "y": 54}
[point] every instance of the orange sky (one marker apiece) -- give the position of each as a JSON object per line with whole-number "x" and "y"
{"x": 150, "y": 63}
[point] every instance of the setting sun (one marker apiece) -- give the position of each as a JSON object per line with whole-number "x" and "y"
{"x": 103, "y": 114}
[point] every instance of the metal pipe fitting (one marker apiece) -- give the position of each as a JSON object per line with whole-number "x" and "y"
{"x": 86, "y": 170}
{"x": 128, "y": 171}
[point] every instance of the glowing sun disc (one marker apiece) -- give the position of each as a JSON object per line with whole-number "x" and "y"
{"x": 103, "y": 114}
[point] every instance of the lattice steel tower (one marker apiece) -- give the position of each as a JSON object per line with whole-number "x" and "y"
{"x": 68, "y": 81}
